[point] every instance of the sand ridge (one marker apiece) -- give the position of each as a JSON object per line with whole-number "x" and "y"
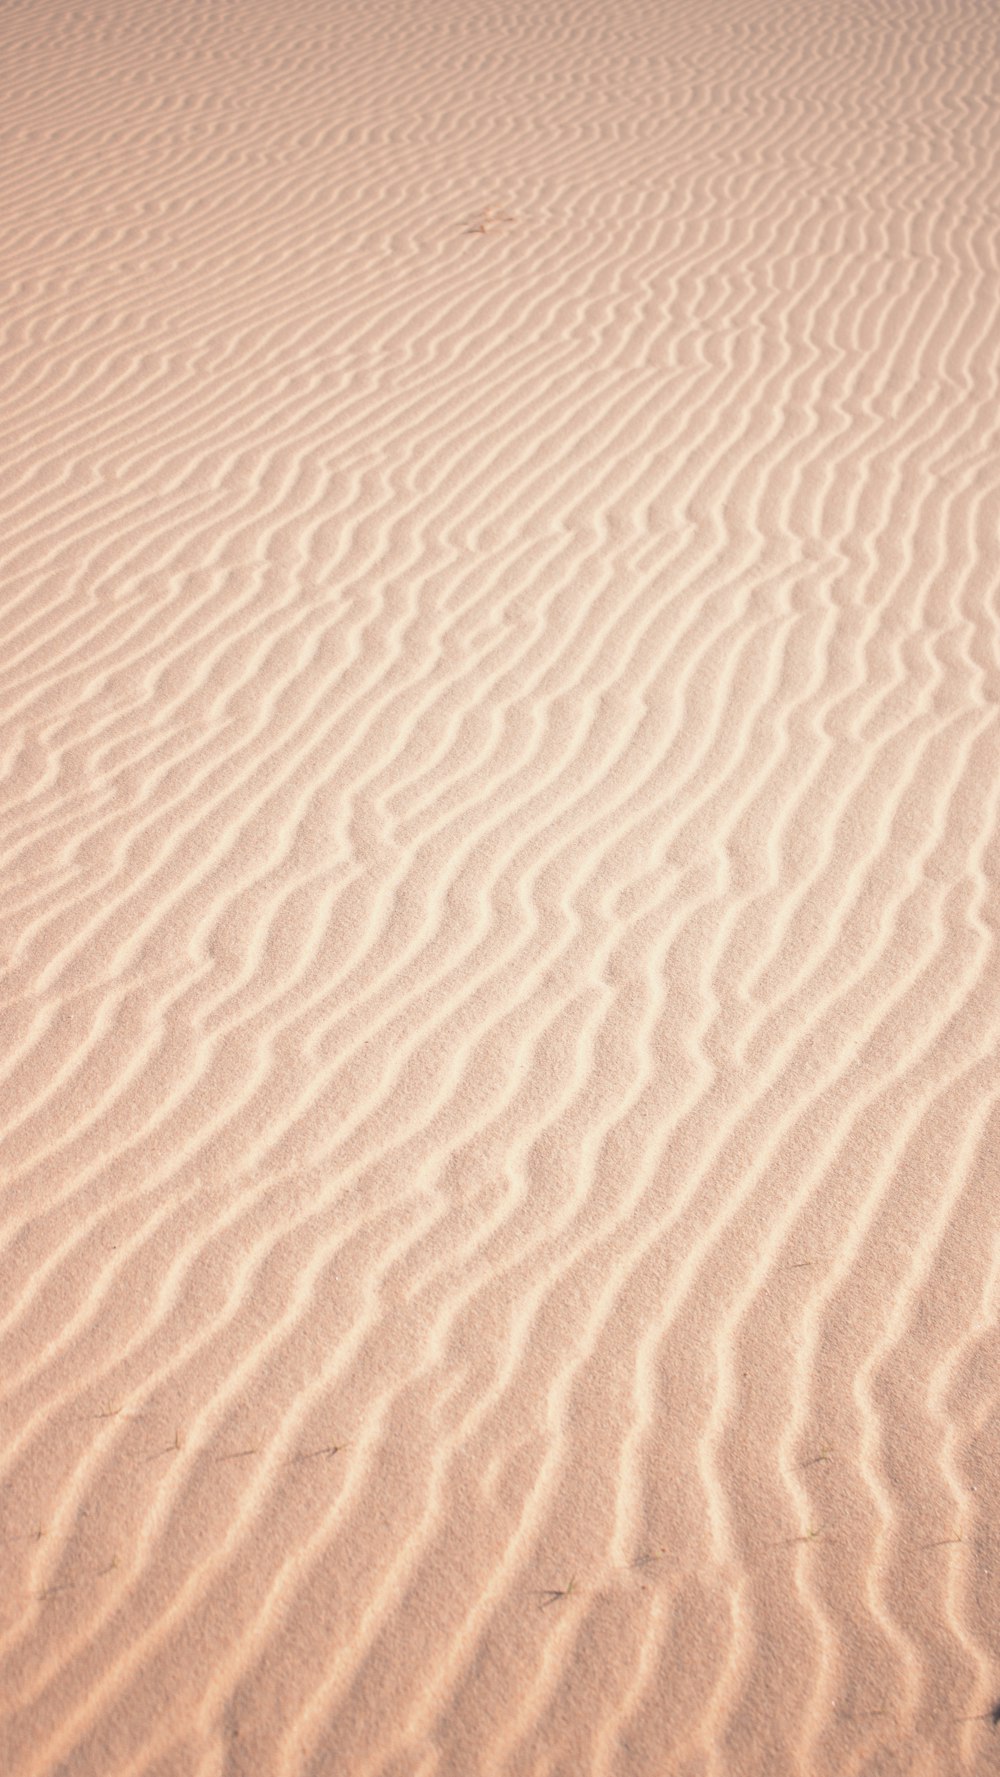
{"x": 499, "y": 668}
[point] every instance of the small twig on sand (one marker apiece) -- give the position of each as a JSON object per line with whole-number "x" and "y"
{"x": 325, "y": 1450}
{"x": 990, "y": 1715}
{"x": 808, "y": 1536}
{"x": 553, "y": 1594}
{"x": 168, "y": 1450}
{"x": 823, "y": 1455}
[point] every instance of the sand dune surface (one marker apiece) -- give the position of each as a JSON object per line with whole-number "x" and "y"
{"x": 499, "y": 791}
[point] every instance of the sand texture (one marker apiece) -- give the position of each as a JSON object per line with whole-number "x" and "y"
{"x": 499, "y": 792}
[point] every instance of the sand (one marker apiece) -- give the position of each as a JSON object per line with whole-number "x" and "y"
{"x": 499, "y": 681}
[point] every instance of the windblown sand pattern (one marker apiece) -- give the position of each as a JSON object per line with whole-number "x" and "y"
{"x": 500, "y": 670}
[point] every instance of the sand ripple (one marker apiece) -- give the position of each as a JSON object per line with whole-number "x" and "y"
{"x": 499, "y": 763}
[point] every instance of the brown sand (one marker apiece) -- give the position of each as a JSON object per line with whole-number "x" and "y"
{"x": 501, "y": 763}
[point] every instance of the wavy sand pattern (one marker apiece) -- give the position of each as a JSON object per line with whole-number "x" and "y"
{"x": 500, "y": 760}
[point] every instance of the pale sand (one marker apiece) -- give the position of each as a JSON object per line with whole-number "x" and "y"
{"x": 501, "y": 762}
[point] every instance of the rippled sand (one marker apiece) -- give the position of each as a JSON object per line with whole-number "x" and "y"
{"x": 499, "y": 681}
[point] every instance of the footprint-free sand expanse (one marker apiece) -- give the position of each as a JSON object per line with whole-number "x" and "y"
{"x": 499, "y": 787}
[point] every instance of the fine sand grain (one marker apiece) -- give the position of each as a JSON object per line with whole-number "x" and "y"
{"x": 499, "y": 788}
